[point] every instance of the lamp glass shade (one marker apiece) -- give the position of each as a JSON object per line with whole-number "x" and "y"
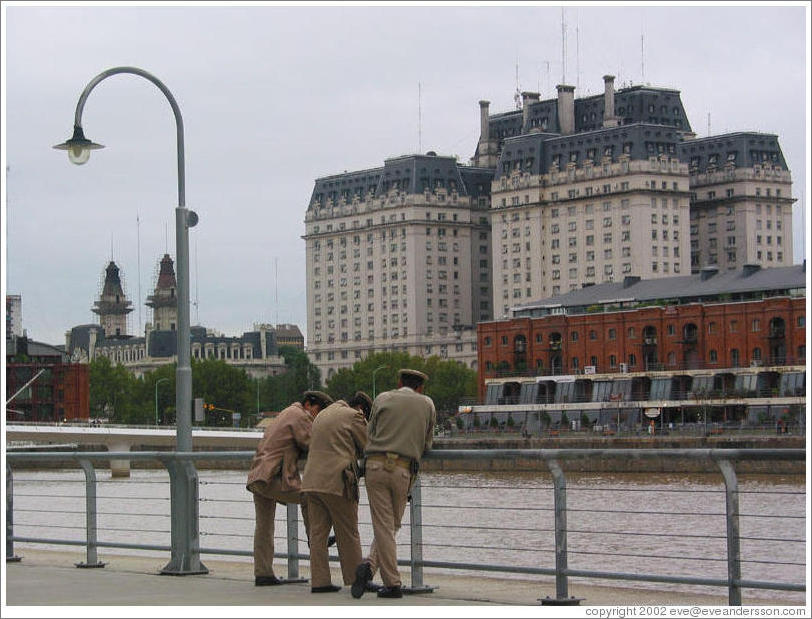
{"x": 78, "y": 147}
{"x": 78, "y": 155}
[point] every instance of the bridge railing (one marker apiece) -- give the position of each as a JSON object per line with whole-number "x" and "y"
{"x": 445, "y": 529}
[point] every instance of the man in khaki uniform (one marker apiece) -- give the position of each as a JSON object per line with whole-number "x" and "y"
{"x": 401, "y": 428}
{"x": 274, "y": 476}
{"x": 330, "y": 483}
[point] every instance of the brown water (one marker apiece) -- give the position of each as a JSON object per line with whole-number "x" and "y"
{"x": 642, "y": 524}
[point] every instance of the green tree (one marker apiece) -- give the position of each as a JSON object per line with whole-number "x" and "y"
{"x": 115, "y": 393}
{"x": 277, "y": 392}
{"x": 449, "y": 381}
{"x": 222, "y": 385}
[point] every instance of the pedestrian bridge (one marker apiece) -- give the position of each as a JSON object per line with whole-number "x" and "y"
{"x": 122, "y": 438}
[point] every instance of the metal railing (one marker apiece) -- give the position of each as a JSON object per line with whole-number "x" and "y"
{"x": 179, "y": 464}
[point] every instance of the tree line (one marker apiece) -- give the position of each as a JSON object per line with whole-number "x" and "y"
{"x": 120, "y": 397}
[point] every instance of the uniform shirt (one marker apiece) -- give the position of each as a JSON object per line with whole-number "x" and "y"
{"x": 402, "y": 421}
{"x": 338, "y": 439}
{"x": 284, "y": 442}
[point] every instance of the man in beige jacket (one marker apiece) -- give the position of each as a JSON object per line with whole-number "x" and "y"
{"x": 330, "y": 484}
{"x": 274, "y": 476}
{"x": 401, "y": 428}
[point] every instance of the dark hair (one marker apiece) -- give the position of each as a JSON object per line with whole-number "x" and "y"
{"x": 312, "y": 399}
{"x": 356, "y": 401}
{"x": 411, "y": 380}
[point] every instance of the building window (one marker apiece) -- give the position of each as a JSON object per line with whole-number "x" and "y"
{"x": 711, "y": 328}
{"x": 574, "y": 336}
{"x": 612, "y": 361}
{"x": 632, "y": 360}
{"x": 757, "y": 355}
{"x": 713, "y": 358}
{"x": 756, "y": 325}
{"x": 612, "y": 334}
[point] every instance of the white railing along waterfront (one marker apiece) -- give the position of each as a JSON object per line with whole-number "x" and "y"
{"x": 447, "y": 528}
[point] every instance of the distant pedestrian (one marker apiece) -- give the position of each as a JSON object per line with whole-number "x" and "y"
{"x": 274, "y": 476}
{"x": 401, "y": 429}
{"x": 330, "y": 483}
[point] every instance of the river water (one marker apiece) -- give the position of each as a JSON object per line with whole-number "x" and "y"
{"x": 654, "y": 523}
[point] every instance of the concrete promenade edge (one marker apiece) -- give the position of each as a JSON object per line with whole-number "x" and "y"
{"x": 46, "y": 577}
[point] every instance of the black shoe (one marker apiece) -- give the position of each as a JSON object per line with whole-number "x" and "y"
{"x": 363, "y": 574}
{"x": 266, "y": 581}
{"x": 331, "y": 541}
{"x": 372, "y": 587}
{"x": 325, "y": 589}
{"x": 390, "y": 592}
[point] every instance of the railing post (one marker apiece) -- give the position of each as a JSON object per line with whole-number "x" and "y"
{"x": 293, "y": 540}
{"x": 416, "y": 540}
{"x": 560, "y": 497}
{"x": 90, "y": 515}
{"x": 10, "y": 556}
{"x": 734, "y": 572}
{"x": 183, "y": 488}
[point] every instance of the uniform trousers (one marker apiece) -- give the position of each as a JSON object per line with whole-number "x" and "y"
{"x": 328, "y": 511}
{"x": 265, "y": 512}
{"x": 388, "y": 493}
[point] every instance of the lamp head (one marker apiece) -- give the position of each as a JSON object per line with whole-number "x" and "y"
{"x": 78, "y": 146}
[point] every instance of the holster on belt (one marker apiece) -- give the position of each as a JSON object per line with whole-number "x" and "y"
{"x": 391, "y": 461}
{"x": 350, "y": 477}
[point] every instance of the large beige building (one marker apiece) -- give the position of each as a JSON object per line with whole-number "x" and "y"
{"x": 398, "y": 258}
{"x": 616, "y": 185}
{"x": 560, "y": 194}
{"x": 741, "y": 212}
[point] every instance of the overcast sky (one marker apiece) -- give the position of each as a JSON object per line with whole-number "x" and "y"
{"x": 274, "y": 97}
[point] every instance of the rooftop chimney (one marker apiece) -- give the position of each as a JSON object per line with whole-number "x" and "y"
{"x": 484, "y": 129}
{"x": 566, "y": 109}
{"x": 527, "y": 99}
{"x": 706, "y": 273}
{"x": 609, "y": 118}
{"x": 749, "y": 269}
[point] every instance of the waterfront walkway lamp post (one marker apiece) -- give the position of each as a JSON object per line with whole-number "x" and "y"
{"x": 185, "y": 552}
{"x": 375, "y": 371}
{"x": 157, "y": 382}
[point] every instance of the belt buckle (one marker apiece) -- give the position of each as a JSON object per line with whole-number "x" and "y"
{"x": 391, "y": 461}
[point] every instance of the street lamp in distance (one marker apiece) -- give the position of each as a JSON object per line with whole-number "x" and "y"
{"x": 375, "y": 371}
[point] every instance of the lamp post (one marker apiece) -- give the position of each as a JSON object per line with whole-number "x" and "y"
{"x": 157, "y": 382}
{"x": 375, "y": 371}
{"x": 185, "y": 534}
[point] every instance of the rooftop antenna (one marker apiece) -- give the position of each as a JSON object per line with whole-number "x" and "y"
{"x": 547, "y": 62}
{"x": 642, "y": 53}
{"x": 419, "y": 118}
{"x": 563, "y": 48}
{"x": 577, "y": 55}
{"x": 517, "y": 97}
{"x": 709, "y": 125}
{"x": 166, "y": 238}
{"x": 111, "y": 247}
{"x": 276, "y": 286}
{"x": 138, "y": 254}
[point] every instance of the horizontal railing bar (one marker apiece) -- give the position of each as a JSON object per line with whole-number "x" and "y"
{"x": 445, "y": 454}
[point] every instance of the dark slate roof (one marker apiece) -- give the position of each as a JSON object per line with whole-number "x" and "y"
{"x": 408, "y": 173}
{"x": 744, "y": 149}
{"x": 80, "y": 336}
{"x": 747, "y": 280}
{"x": 535, "y": 152}
{"x": 636, "y": 104}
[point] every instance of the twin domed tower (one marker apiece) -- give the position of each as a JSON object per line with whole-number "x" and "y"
{"x": 113, "y": 305}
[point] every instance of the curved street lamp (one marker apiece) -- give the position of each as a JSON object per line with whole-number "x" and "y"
{"x": 375, "y": 371}
{"x": 185, "y": 554}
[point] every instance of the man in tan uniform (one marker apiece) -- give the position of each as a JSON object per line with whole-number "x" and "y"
{"x": 330, "y": 483}
{"x": 401, "y": 428}
{"x": 274, "y": 476}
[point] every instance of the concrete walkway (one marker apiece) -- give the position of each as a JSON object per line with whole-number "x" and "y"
{"x": 46, "y": 577}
